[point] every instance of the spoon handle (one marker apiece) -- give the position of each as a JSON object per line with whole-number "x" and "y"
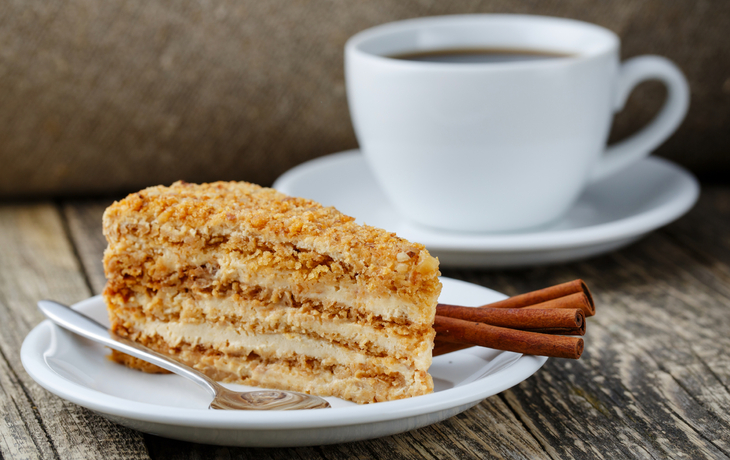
{"x": 86, "y": 327}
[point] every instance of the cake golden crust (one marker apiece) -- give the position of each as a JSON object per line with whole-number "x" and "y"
{"x": 189, "y": 264}
{"x": 197, "y": 213}
{"x": 136, "y": 363}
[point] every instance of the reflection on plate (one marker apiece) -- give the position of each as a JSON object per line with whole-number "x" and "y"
{"x": 167, "y": 405}
{"x": 610, "y": 214}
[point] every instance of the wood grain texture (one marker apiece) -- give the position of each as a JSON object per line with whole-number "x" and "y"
{"x": 84, "y": 222}
{"x": 38, "y": 262}
{"x": 653, "y": 382}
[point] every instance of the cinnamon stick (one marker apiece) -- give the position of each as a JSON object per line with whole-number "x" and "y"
{"x": 441, "y": 348}
{"x": 577, "y": 300}
{"x": 532, "y": 299}
{"x": 549, "y": 321}
{"x": 461, "y": 332}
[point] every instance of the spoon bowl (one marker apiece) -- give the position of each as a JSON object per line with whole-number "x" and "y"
{"x": 268, "y": 399}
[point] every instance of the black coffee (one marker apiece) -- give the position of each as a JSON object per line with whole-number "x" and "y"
{"x": 479, "y": 56}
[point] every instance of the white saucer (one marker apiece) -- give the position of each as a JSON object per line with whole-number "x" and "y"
{"x": 610, "y": 214}
{"x": 77, "y": 369}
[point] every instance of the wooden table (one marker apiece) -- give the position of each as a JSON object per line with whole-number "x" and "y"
{"x": 654, "y": 381}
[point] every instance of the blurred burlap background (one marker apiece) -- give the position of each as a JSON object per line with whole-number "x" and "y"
{"x": 101, "y": 97}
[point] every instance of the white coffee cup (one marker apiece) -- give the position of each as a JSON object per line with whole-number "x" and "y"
{"x": 496, "y": 147}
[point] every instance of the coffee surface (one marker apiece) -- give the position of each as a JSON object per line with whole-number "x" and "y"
{"x": 479, "y": 56}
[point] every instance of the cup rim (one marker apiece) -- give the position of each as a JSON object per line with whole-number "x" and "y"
{"x": 354, "y": 45}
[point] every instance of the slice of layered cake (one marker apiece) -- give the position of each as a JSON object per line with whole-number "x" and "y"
{"x": 255, "y": 287}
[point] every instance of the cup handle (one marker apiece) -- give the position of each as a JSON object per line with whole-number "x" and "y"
{"x": 639, "y": 145}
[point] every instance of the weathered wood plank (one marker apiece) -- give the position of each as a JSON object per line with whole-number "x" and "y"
{"x": 21, "y": 436}
{"x": 38, "y": 262}
{"x": 653, "y": 381}
{"x": 84, "y": 222}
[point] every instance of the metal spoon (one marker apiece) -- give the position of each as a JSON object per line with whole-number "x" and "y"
{"x": 223, "y": 398}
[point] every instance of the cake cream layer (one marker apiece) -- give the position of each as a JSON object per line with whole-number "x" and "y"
{"x": 276, "y": 269}
{"x": 274, "y": 314}
{"x": 272, "y": 346}
{"x": 360, "y": 383}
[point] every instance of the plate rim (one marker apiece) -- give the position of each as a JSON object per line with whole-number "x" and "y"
{"x": 32, "y": 359}
{"x": 622, "y": 229}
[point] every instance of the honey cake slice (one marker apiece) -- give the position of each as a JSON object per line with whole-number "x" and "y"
{"x": 252, "y": 286}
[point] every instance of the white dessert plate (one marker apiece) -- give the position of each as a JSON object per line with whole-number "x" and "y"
{"x": 610, "y": 214}
{"x": 77, "y": 369}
